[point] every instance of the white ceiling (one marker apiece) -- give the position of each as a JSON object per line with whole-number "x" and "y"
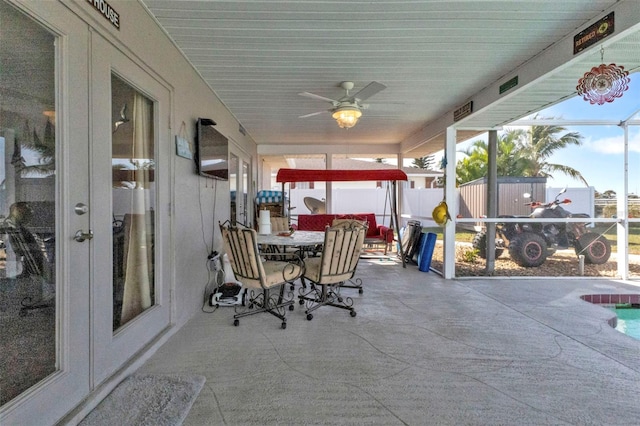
{"x": 432, "y": 55}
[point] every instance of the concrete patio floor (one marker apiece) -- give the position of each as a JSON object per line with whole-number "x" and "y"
{"x": 421, "y": 351}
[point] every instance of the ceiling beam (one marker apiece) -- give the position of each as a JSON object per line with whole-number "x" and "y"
{"x": 550, "y": 61}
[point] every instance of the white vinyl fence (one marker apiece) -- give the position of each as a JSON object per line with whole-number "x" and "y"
{"x": 417, "y": 203}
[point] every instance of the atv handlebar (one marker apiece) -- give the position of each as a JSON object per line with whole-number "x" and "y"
{"x": 536, "y": 204}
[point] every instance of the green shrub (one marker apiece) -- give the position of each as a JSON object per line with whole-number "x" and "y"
{"x": 468, "y": 255}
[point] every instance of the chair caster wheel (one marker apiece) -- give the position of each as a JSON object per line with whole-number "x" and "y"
{"x": 284, "y": 325}
{"x": 236, "y": 322}
{"x": 291, "y": 307}
{"x": 352, "y": 313}
{"x": 301, "y": 302}
{"x": 309, "y": 317}
{"x": 360, "y": 290}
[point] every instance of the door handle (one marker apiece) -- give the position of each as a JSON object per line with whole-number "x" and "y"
{"x": 82, "y": 236}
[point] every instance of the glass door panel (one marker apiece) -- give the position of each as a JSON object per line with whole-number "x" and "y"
{"x": 132, "y": 278}
{"x": 133, "y": 163}
{"x": 27, "y": 205}
{"x": 43, "y": 272}
{"x": 246, "y": 219}
{"x": 236, "y": 200}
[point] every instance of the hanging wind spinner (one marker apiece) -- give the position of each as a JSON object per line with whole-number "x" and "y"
{"x": 603, "y": 83}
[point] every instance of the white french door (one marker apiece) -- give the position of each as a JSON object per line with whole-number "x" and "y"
{"x": 84, "y": 211}
{"x": 129, "y": 168}
{"x": 44, "y": 130}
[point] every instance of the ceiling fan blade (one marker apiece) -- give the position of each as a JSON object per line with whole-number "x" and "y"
{"x": 314, "y": 96}
{"x": 369, "y": 90}
{"x": 312, "y": 114}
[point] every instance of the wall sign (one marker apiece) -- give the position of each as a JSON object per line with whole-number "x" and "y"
{"x": 463, "y": 111}
{"x": 183, "y": 147}
{"x": 593, "y": 33}
{"x": 509, "y": 85}
{"x": 107, "y": 11}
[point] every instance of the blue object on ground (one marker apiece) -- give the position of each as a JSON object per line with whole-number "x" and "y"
{"x": 427, "y": 244}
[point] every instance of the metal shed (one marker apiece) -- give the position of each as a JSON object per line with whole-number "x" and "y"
{"x": 473, "y": 195}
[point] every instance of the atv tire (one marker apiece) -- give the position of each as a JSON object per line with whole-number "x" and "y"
{"x": 528, "y": 249}
{"x": 595, "y": 248}
{"x": 480, "y": 244}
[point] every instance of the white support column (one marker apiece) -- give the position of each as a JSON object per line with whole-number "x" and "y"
{"x": 400, "y": 188}
{"x": 623, "y": 213}
{"x": 451, "y": 198}
{"x": 264, "y": 175}
{"x": 492, "y": 201}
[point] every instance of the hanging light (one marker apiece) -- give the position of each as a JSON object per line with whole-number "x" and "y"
{"x": 603, "y": 83}
{"x": 347, "y": 116}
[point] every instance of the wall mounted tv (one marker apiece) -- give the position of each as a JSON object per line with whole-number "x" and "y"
{"x": 212, "y": 150}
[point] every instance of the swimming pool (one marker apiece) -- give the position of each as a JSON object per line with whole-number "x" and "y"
{"x": 628, "y": 321}
{"x": 626, "y": 307}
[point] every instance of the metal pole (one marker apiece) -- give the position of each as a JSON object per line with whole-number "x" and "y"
{"x": 492, "y": 200}
{"x": 394, "y": 218}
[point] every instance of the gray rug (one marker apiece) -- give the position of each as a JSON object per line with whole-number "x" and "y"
{"x": 147, "y": 400}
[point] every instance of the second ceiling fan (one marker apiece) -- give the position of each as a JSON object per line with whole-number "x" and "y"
{"x": 348, "y": 109}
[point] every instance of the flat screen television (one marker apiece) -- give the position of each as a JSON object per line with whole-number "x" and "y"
{"x": 212, "y": 150}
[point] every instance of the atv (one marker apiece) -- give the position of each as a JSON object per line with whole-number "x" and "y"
{"x": 530, "y": 243}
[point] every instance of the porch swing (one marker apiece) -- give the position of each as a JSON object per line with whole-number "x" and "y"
{"x": 391, "y": 175}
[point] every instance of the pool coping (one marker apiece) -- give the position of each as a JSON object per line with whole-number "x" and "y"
{"x": 612, "y": 299}
{"x": 615, "y": 300}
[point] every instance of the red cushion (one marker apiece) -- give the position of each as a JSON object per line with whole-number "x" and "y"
{"x": 314, "y": 222}
{"x": 370, "y": 218}
{"x": 317, "y": 222}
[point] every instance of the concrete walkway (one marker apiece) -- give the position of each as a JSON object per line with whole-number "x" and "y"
{"x": 421, "y": 351}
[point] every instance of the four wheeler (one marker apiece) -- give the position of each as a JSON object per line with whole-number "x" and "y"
{"x": 530, "y": 243}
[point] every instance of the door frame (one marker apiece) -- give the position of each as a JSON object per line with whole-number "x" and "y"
{"x": 111, "y": 350}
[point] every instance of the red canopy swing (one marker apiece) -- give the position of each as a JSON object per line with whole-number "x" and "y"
{"x": 307, "y": 175}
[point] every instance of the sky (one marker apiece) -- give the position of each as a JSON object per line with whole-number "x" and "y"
{"x": 600, "y": 158}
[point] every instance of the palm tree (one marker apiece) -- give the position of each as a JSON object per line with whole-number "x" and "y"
{"x": 509, "y": 161}
{"x": 426, "y": 162}
{"x": 474, "y": 165}
{"x": 540, "y": 143}
{"x": 521, "y": 153}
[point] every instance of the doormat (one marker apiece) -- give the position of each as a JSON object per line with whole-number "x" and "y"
{"x": 147, "y": 400}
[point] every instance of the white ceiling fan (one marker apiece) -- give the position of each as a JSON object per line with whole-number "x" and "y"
{"x": 348, "y": 109}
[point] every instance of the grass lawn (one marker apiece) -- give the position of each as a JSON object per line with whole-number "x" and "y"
{"x": 634, "y": 237}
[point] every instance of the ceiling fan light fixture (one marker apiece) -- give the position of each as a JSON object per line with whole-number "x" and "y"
{"x": 347, "y": 116}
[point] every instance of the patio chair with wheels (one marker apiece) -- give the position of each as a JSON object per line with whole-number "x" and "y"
{"x": 328, "y": 272}
{"x": 264, "y": 279}
{"x": 346, "y": 223}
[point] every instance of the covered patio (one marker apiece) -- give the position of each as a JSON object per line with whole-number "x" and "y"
{"x": 422, "y": 350}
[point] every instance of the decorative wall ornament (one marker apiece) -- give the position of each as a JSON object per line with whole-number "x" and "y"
{"x": 603, "y": 83}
